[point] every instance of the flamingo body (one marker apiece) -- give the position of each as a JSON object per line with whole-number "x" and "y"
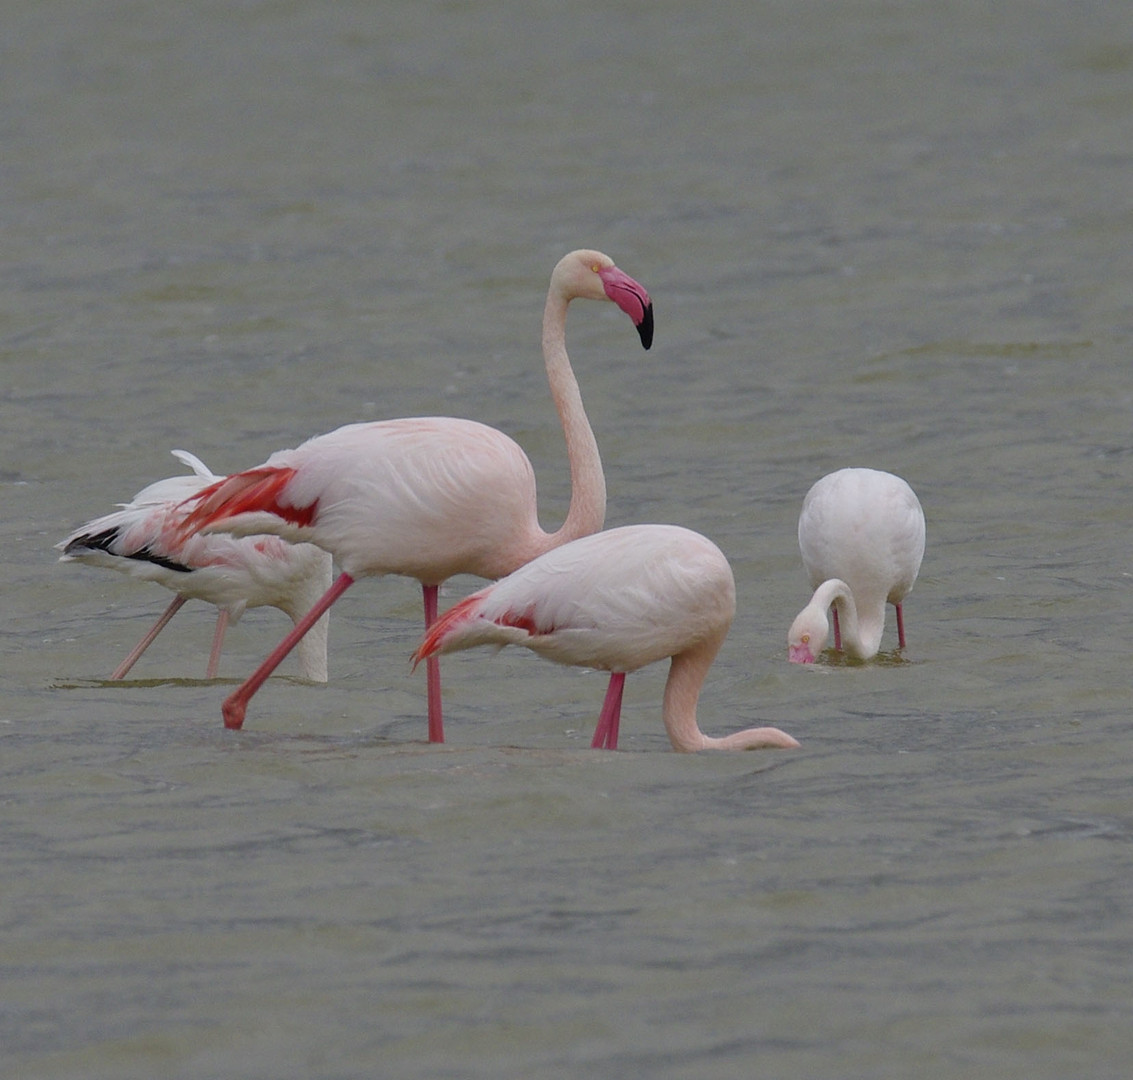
{"x": 424, "y": 497}
{"x": 616, "y": 601}
{"x": 862, "y": 539}
{"x": 427, "y": 497}
{"x": 232, "y": 574}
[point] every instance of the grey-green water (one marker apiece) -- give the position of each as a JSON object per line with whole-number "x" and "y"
{"x": 895, "y": 235}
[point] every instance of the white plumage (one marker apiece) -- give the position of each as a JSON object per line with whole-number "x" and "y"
{"x": 862, "y": 538}
{"x": 428, "y": 497}
{"x": 616, "y": 601}
{"x": 232, "y": 574}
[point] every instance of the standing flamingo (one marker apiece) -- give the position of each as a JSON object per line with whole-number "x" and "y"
{"x": 427, "y": 497}
{"x": 616, "y": 601}
{"x": 861, "y": 534}
{"x": 234, "y": 574}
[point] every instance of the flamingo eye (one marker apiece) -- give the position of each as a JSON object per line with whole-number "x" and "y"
{"x": 806, "y": 639}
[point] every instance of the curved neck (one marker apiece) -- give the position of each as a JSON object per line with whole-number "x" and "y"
{"x": 687, "y": 673}
{"x": 861, "y": 630}
{"x": 682, "y": 690}
{"x": 311, "y": 651}
{"x": 587, "y": 511}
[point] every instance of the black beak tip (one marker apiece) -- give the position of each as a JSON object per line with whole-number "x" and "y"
{"x": 645, "y": 327}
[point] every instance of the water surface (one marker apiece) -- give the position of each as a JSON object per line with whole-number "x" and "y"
{"x": 875, "y": 235}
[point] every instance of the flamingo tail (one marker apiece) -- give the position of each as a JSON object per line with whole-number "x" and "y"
{"x": 438, "y": 633}
{"x": 466, "y": 625}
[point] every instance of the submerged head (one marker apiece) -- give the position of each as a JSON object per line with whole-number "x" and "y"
{"x": 590, "y": 275}
{"x": 807, "y": 637}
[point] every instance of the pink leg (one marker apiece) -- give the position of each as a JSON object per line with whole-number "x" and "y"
{"x": 900, "y": 626}
{"x": 609, "y": 719}
{"x": 236, "y": 703}
{"x": 132, "y": 659}
{"x": 217, "y": 642}
{"x": 837, "y": 630}
{"x": 433, "y": 671}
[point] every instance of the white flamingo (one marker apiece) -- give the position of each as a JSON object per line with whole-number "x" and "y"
{"x": 233, "y": 574}
{"x": 427, "y": 497}
{"x": 616, "y": 601}
{"x": 862, "y": 537}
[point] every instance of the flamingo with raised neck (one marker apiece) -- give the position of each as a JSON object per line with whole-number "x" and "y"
{"x": 427, "y": 497}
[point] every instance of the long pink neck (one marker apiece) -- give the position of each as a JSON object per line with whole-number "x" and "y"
{"x": 687, "y": 673}
{"x": 682, "y": 691}
{"x": 587, "y": 511}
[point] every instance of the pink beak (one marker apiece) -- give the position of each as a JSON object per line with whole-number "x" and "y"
{"x": 632, "y": 299}
{"x": 800, "y": 654}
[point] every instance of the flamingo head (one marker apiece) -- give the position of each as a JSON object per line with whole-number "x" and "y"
{"x": 593, "y": 276}
{"x": 800, "y": 654}
{"x": 807, "y": 636}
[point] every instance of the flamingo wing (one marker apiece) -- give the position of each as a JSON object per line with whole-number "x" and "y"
{"x": 425, "y": 497}
{"x": 249, "y": 496}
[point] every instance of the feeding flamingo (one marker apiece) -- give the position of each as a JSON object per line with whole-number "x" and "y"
{"x": 616, "y": 601}
{"x": 233, "y": 574}
{"x": 862, "y": 536}
{"x": 428, "y": 497}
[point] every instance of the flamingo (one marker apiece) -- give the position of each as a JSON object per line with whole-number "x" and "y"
{"x": 427, "y": 497}
{"x": 616, "y": 601}
{"x": 862, "y": 535}
{"x": 233, "y": 574}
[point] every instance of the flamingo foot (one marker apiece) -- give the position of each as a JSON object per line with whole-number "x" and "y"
{"x": 233, "y": 711}
{"x": 236, "y": 703}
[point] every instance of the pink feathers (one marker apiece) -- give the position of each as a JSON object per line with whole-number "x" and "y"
{"x": 461, "y": 612}
{"x": 467, "y": 612}
{"x": 428, "y": 497}
{"x": 255, "y": 490}
{"x": 145, "y": 538}
{"x": 616, "y": 601}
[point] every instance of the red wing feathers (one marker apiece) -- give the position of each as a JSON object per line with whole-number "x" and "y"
{"x": 522, "y": 620}
{"x": 256, "y": 490}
